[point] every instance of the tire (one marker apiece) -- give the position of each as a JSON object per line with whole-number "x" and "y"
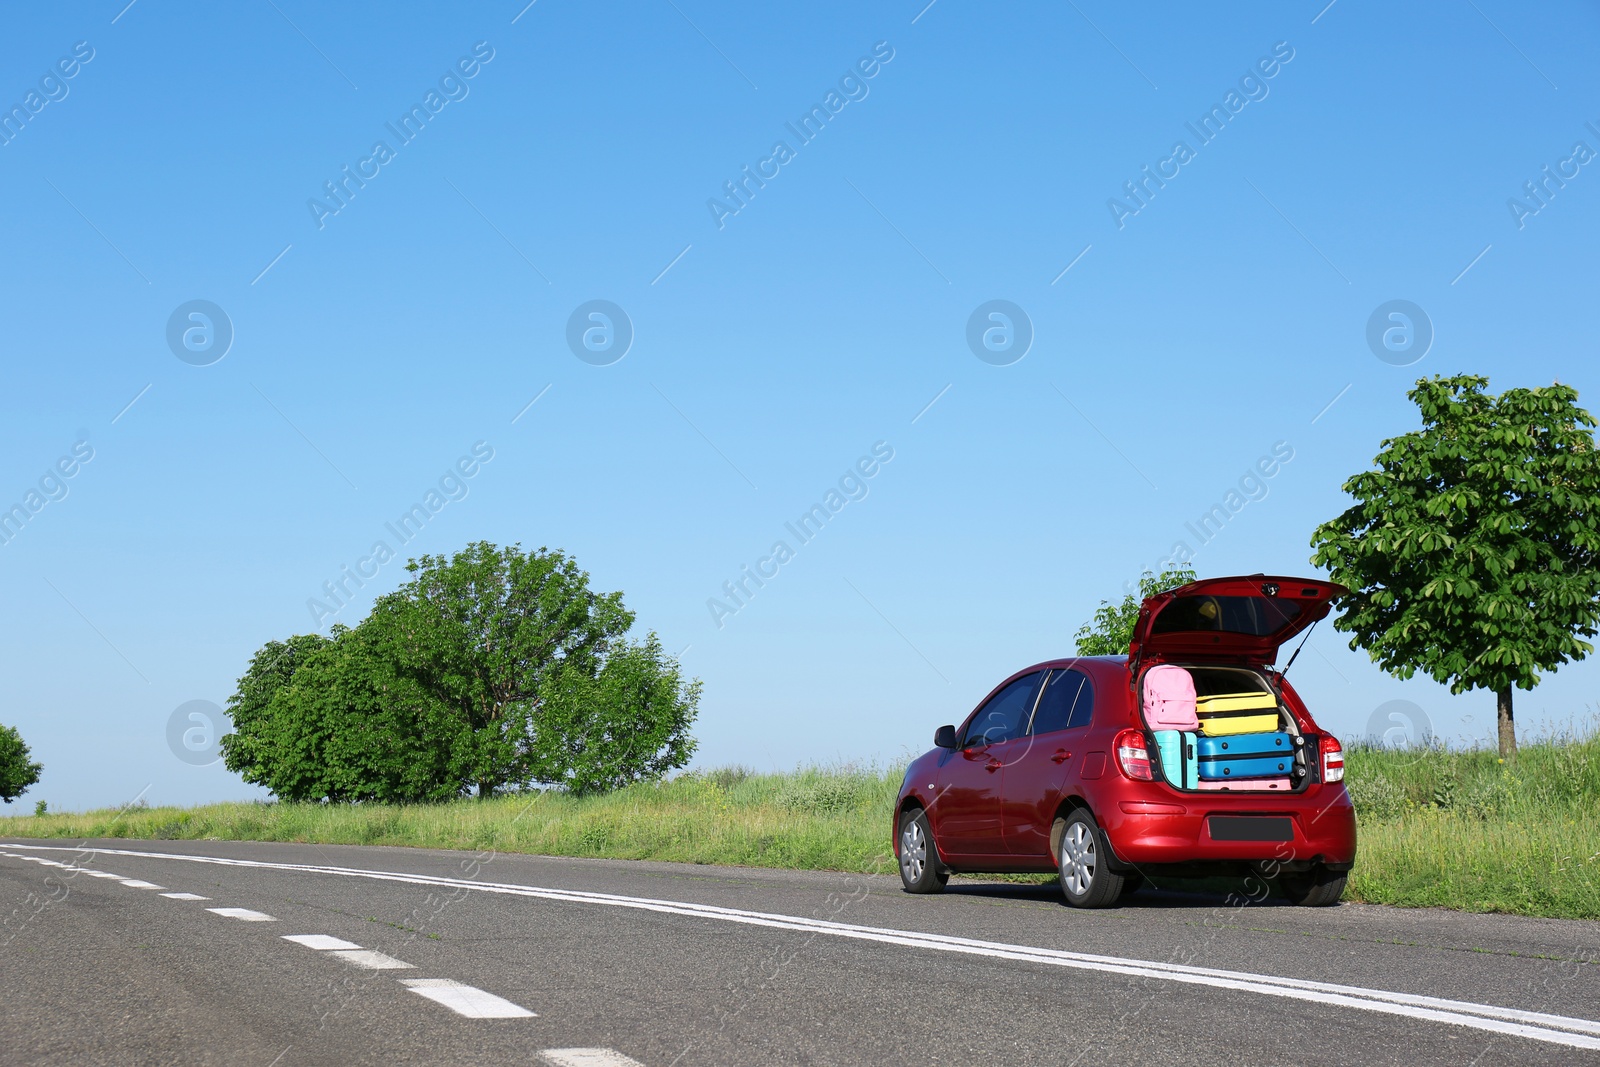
{"x": 1317, "y": 888}
{"x": 1086, "y": 880}
{"x": 920, "y": 871}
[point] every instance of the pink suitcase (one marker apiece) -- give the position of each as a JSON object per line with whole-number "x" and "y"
{"x": 1249, "y": 785}
{"x": 1169, "y": 699}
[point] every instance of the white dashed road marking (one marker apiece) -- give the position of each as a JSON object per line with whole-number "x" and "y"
{"x": 321, "y": 942}
{"x": 244, "y": 914}
{"x": 63, "y": 866}
{"x": 587, "y": 1057}
{"x": 465, "y": 1000}
{"x": 185, "y": 896}
{"x": 134, "y": 883}
{"x": 370, "y": 959}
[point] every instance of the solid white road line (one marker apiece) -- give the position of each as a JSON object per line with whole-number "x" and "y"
{"x": 587, "y": 1057}
{"x": 1514, "y": 1022}
{"x": 321, "y": 942}
{"x": 370, "y": 959}
{"x": 185, "y": 896}
{"x": 134, "y": 883}
{"x": 244, "y": 914}
{"x": 466, "y": 1000}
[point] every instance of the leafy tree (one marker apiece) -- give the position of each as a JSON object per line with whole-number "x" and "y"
{"x": 1110, "y": 632}
{"x": 1472, "y": 552}
{"x": 627, "y": 723}
{"x": 483, "y": 633}
{"x": 16, "y": 772}
{"x": 490, "y": 669}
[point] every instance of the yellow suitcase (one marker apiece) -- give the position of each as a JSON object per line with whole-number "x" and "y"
{"x": 1237, "y": 713}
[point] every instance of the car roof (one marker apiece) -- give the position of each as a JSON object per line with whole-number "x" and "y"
{"x": 1094, "y": 664}
{"x": 1067, "y": 661}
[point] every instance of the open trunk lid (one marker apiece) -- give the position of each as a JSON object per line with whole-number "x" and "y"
{"x": 1242, "y": 619}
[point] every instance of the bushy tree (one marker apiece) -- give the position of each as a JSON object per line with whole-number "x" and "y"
{"x": 17, "y": 772}
{"x": 490, "y": 669}
{"x": 1472, "y": 552}
{"x": 1110, "y": 632}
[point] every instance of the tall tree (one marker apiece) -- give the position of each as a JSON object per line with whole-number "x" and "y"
{"x": 1472, "y": 552}
{"x": 1110, "y": 632}
{"x": 483, "y": 633}
{"x": 17, "y": 772}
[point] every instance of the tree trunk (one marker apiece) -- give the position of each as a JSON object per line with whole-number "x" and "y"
{"x": 486, "y": 789}
{"x": 1508, "y": 727}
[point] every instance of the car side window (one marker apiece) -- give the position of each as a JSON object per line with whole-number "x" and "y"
{"x": 1005, "y": 715}
{"x": 1066, "y": 703}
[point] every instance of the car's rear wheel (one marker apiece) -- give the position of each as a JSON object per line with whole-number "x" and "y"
{"x": 920, "y": 871}
{"x": 1086, "y": 880}
{"x": 1316, "y": 888}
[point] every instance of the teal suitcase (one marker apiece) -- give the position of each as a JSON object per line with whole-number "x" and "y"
{"x": 1180, "y": 762}
{"x": 1263, "y": 755}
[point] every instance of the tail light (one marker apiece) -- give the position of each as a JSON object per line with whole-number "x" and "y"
{"x": 1332, "y": 758}
{"x": 1133, "y": 757}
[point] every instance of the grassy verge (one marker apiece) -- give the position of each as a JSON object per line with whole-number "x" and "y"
{"x": 819, "y": 819}
{"x": 1438, "y": 828}
{"x": 1462, "y": 830}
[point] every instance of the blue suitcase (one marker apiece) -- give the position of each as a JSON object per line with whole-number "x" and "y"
{"x": 1246, "y": 756}
{"x": 1179, "y": 758}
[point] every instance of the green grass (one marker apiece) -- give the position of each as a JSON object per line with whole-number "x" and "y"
{"x": 1460, "y": 829}
{"x": 1446, "y": 828}
{"x": 815, "y": 818}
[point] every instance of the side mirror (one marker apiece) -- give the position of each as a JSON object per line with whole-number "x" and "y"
{"x": 944, "y": 737}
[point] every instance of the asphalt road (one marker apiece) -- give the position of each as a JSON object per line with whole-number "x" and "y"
{"x": 526, "y": 960}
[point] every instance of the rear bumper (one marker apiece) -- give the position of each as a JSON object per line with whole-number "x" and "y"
{"x": 1176, "y": 829}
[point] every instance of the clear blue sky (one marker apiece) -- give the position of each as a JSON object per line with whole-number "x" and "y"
{"x": 374, "y": 346}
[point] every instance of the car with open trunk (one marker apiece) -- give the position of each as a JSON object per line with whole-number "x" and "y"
{"x": 1190, "y": 756}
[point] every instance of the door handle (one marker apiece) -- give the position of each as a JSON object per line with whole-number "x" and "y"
{"x": 1061, "y": 756}
{"x": 993, "y": 765}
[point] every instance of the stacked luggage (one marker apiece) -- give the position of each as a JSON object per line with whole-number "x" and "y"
{"x": 1218, "y": 742}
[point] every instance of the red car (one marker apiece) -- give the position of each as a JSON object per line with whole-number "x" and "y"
{"x": 1059, "y": 769}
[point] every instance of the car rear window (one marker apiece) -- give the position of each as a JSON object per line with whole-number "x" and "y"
{"x": 1257, "y": 616}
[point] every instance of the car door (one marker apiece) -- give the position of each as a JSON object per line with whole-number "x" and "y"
{"x": 1045, "y": 762}
{"x": 966, "y": 806}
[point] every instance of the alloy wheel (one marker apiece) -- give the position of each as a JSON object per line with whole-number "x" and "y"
{"x": 913, "y": 850}
{"x": 1077, "y": 859}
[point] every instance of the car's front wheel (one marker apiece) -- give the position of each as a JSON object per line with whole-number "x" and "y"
{"x": 919, "y": 858}
{"x": 1085, "y": 878}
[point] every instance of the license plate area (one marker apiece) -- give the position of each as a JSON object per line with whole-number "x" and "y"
{"x": 1251, "y": 828}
